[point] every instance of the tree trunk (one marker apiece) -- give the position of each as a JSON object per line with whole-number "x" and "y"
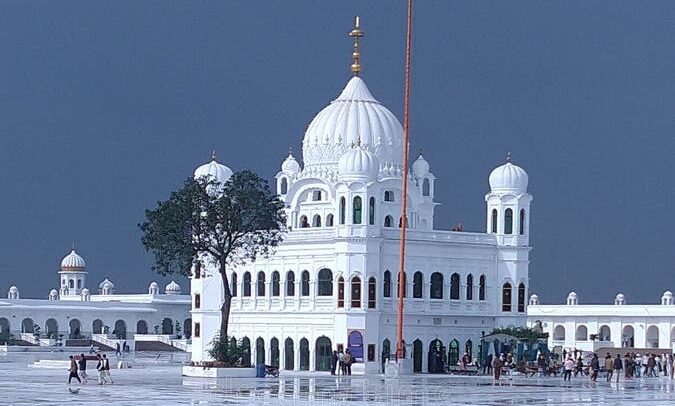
{"x": 227, "y": 300}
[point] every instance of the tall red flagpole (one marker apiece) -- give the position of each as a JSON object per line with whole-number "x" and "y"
{"x": 404, "y": 199}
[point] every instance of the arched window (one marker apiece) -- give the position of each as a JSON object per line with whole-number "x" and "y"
{"x": 329, "y": 220}
{"x": 71, "y": 284}
{"x": 454, "y": 286}
{"x": 316, "y": 221}
{"x": 316, "y": 195}
{"x": 400, "y": 222}
{"x": 386, "y": 285}
{"x": 371, "y": 211}
{"x": 521, "y": 298}
{"x": 79, "y": 283}
{"x": 405, "y": 287}
{"x": 494, "y": 221}
{"x": 303, "y": 222}
{"x": 468, "y": 349}
{"x": 506, "y": 297}
{"x": 521, "y": 224}
{"x": 436, "y": 286}
{"x": 276, "y": 283}
{"x": 387, "y": 221}
{"x": 418, "y": 283}
{"x": 341, "y": 292}
{"x": 247, "y": 284}
{"x": 469, "y": 287}
{"x": 559, "y": 333}
{"x": 342, "y": 210}
{"x": 581, "y": 333}
{"x": 508, "y": 221}
{"x": 304, "y": 283}
{"x": 388, "y": 196}
{"x": 481, "y": 288}
{"x": 198, "y": 301}
{"x": 325, "y": 282}
{"x": 453, "y": 352}
{"x": 284, "y": 186}
{"x": 356, "y": 210}
{"x": 261, "y": 284}
{"x": 233, "y": 289}
{"x": 426, "y": 188}
{"x": 372, "y": 291}
{"x": 356, "y": 292}
{"x": 290, "y": 283}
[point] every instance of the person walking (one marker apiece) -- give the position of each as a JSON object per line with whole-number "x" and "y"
{"x": 595, "y": 367}
{"x": 568, "y": 366}
{"x": 106, "y": 369}
{"x": 100, "y": 368}
{"x": 117, "y": 349}
{"x": 348, "y": 362}
{"x": 617, "y": 367}
{"x": 333, "y": 362}
{"x": 82, "y": 363}
{"x": 341, "y": 362}
{"x": 497, "y": 367}
{"x": 72, "y": 371}
{"x": 609, "y": 367}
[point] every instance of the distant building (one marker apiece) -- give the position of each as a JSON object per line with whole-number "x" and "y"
{"x": 617, "y": 325}
{"x": 72, "y": 311}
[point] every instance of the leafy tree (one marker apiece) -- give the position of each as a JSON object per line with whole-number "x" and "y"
{"x": 226, "y": 351}
{"x": 208, "y": 223}
{"x": 522, "y": 333}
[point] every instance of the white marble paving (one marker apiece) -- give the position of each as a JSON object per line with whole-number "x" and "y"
{"x": 156, "y": 380}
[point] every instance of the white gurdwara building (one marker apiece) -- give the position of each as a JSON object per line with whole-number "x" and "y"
{"x": 74, "y": 312}
{"x": 332, "y": 283}
{"x": 590, "y": 327}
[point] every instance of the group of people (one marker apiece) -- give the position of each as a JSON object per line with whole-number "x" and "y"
{"x": 78, "y": 369}
{"x": 343, "y": 360}
{"x": 636, "y": 366}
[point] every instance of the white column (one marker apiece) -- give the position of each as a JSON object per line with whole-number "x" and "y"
{"x": 312, "y": 355}
{"x": 296, "y": 355}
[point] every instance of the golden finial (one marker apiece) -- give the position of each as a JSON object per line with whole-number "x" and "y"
{"x": 213, "y": 155}
{"x": 356, "y": 33}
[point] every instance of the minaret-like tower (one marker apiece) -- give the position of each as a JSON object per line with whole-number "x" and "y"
{"x": 73, "y": 275}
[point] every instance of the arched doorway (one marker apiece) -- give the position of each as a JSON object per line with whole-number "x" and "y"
{"x": 453, "y": 353}
{"x": 97, "y": 326}
{"x": 289, "y": 354}
{"x": 652, "y": 338}
{"x": 27, "y": 326}
{"x": 246, "y": 346}
{"x": 259, "y": 351}
{"x": 417, "y": 356}
{"x": 167, "y": 326}
{"x": 436, "y": 362}
{"x": 141, "y": 327}
{"x": 120, "y": 330}
{"x": 628, "y": 337}
{"x": 355, "y": 345}
{"x": 187, "y": 328}
{"x": 75, "y": 329}
{"x": 52, "y": 328}
{"x": 324, "y": 350}
{"x": 4, "y": 325}
{"x": 605, "y": 334}
{"x": 274, "y": 352}
{"x": 304, "y": 355}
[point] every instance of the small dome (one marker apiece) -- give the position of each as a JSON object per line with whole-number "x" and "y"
{"x": 153, "y": 285}
{"x": 13, "y": 289}
{"x": 214, "y": 170}
{"x": 72, "y": 262}
{"x": 620, "y": 296}
{"x": 53, "y": 294}
{"x": 358, "y": 164}
{"x": 172, "y": 289}
{"x": 420, "y": 167}
{"x": 106, "y": 284}
{"x": 290, "y": 165}
{"x": 667, "y": 294}
{"x": 572, "y": 295}
{"x": 509, "y": 178}
{"x": 85, "y": 292}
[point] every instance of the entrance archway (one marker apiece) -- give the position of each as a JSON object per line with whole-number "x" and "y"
{"x": 187, "y": 328}
{"x": 652, "y": 338}
{"x": 52, "y": 328}
{"x": 141, "y": 327}
{"x": 304, "y": 354}
{"x": 437, "y": 357}
{"x": 628, "y": 337}
{"x": 289, "y": 354}
{"x": 453, "y": 353}
{"x": 97, "y": 327}
{"x": 27, "y": 326}
{"x": 246, "y": 345}
{"x": 324, "y": 351}
{"x": 167, "y": 326}
{"x": 274, "y": 352}
{"x": 417, "y": 356}
{"x": 75, "y": 329}
{"x": 120, "y": 330}
{"x": 259, "y": 351}
{"x": 355, "y": 345}
{"x": 4, "y": 325}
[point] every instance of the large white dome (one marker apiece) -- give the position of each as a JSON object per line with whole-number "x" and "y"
{"x": 214, "y": 170}
{"x": 290, "y": 165}
{"x": 509, "y": 178}
{"x": 357, "y": 164}
{"x": 73, "y": 262}
{"x": 354, "y": 117}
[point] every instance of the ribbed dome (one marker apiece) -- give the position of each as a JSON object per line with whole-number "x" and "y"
{"x": 290, "y": 165}
{"x": 420, "y": 167}
{"x": 172, "y": 288}
{"x": 354, "y": 116}
{"x": 509, "y": 178}
{"x": 357, "y": 164}
{"x": 73, "y": 262}
{"x": 215, "y": 170}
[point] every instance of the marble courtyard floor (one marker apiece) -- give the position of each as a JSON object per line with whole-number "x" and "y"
{"x": 155, "y": 379}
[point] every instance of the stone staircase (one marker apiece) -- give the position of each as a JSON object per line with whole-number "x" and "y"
{"x": 154, "y": 346}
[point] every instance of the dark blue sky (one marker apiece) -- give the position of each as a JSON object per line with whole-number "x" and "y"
{"x": 107, "y": 106}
